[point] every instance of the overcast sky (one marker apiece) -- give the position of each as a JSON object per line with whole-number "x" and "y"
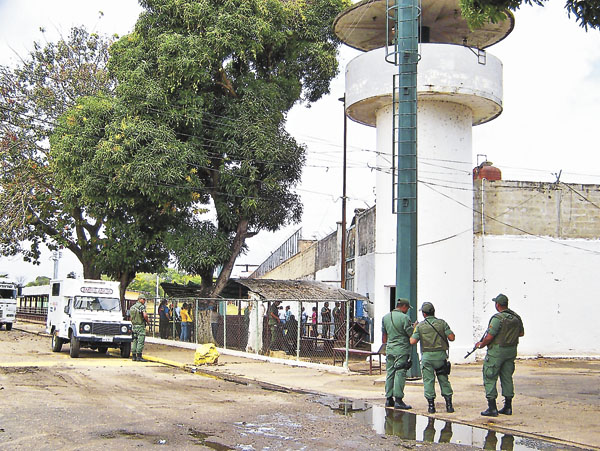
{"x": 549, "y": 122}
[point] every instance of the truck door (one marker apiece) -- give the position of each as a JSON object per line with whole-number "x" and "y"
{"x": 66, "y": 316}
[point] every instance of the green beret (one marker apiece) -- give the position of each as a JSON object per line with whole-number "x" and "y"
{"x": 501, "y": 300}
{"x": 428, "y": 308}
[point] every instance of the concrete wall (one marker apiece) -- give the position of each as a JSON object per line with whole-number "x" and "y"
{"x": 552, "y": 285}
{"x": 328, "y": 251}
{"x": 365, "y": 225}
{"x": 300, "y": 266}
{"x": 568, "y": 210}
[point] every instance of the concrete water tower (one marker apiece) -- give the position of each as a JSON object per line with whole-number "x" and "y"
{"x": 459, "y": 85}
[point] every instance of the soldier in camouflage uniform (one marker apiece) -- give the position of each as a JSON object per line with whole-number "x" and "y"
{"x": 501, "y": 339}
{"x": 434, "y": 333}
{"x": 396, "y": 329}
{"x": 139, "y": 319}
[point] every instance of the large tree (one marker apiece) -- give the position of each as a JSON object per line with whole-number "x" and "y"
{"x": 221, "y": 76}
{"x": 478, "y": 12}
{"x": 59, "y": 185}
{"x": 32, "y": 97}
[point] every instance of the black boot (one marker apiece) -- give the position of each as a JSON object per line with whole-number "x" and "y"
{"x": 507, "y": 409}
{"x": 449, "y": 407}
{"x": 140, "y": 358}
{"x": 399, "y": 404}
{"x": 431, "y": 408}
{"x": 134, "y": 357}
{"x": 492, "y": 410}
{"x": 389, "y": 402}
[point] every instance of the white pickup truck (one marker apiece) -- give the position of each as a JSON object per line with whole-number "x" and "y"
{"x": 87, "y": 313}
{"x": 8, "y": 304}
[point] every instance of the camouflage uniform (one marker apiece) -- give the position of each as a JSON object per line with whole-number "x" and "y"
{"x": 139, "y": 327}
{"x": 398, "y": 328}
{"x": 433, "y": 354}
{"x": 506, "y": 327}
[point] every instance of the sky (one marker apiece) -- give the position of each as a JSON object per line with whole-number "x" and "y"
{"x": 549, "y": 122}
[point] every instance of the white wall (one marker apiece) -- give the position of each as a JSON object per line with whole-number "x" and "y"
{"x": 552, "y": 284}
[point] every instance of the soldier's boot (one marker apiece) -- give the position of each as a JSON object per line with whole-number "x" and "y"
{"x": 449, "y": 406}
{"x": 431, "y": 407}
{"x": 399, "y": 404}
{"x": 134, "y": 357}
{"x": 389, "y": 402}
{"x": 492, "y": 410}
{"x": 507, "y": 409}
{"x": 140, "y": 358}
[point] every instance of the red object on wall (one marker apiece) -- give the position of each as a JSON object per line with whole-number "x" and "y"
{"x": 486, "y": 171}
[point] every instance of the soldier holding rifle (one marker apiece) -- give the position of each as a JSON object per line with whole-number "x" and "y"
{"x": 501, "y": 339}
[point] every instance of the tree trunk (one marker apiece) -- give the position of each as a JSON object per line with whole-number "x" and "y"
{"x": 125, "y": 279}
{"x": 204, "y": 332}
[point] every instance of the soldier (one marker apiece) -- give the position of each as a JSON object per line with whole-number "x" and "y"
{"x": 396, "y": 329}
{"x": 274, "y": 325}
{"x": 501, "y": 339}
{"x": 434, "y": 334}
{"x": 139, "y": 319}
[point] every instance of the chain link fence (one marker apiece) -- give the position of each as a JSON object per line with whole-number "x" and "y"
{"x": 321, "y": 331}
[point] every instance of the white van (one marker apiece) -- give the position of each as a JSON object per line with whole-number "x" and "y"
{"x": 87, "y": 313}
{"x": 8, "y": 303}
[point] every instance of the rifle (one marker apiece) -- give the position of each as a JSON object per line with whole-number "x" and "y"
{"x": 475, "y": 347}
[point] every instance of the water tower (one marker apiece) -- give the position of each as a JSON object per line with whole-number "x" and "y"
{"x": 459, "y": 85}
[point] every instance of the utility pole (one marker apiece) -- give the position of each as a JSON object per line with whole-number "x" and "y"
{"x": 405, "y": 128}
{"x": 56, "y": 255}
{"x": 343, "y": 257}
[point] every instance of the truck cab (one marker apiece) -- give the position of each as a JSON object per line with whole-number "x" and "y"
{"x": 87, "y": 313}
{"x": 8, "y": 304}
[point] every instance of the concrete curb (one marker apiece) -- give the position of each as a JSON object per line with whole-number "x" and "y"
{"x": 264, "y": 358}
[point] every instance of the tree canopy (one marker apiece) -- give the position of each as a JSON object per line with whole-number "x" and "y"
{"x": 218, "y": 78}
{"x": 58, "y": 185}
{"x": 478, "y": 12}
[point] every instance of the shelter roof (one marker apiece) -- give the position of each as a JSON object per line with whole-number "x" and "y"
{"x": 269, "y": 289}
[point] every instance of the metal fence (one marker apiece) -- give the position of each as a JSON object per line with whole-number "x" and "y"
{"x": 321, "y": 331}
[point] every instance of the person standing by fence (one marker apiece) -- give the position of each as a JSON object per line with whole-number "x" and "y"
{"x": 186, "y": 321}
{"x": 164, "y": 315}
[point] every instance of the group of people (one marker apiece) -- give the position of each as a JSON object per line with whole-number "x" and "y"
{"x": 182, "y": 317}
{"x": 434, "y": 334}
{"x": 331, "y": 321}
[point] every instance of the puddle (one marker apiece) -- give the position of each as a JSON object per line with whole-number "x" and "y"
{"x": 411, "y": 426}
{"x": 124, "y": 433}
{"x": 201, "y": 440}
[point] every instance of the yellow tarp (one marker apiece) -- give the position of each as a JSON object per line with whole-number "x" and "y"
{"x": 206, "y": 354}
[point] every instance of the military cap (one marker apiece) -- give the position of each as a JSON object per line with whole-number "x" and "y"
{"x": 501, "y": 300}
{"x": 403, "y": 301}
{"x": 428, "y": 308}
{"x": 141, "y": 296}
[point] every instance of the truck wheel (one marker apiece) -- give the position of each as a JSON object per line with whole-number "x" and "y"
{"x": 56, "y": 343}
{"x": 8, "y": 326}
{"x": 74, "y": 347}
{"x": 125, "y": 350}
{"x": 103, "y": 349}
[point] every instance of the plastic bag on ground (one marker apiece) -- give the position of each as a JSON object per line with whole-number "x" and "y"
{"x": 206, "y": 354}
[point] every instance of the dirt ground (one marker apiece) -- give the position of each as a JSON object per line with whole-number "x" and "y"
{"x": 557, "y": 399}
{"x": 50, "y": 401}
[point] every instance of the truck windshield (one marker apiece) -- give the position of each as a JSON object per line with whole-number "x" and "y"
{"x": 7, "y": 294}
{"x": 96, "y": 303}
